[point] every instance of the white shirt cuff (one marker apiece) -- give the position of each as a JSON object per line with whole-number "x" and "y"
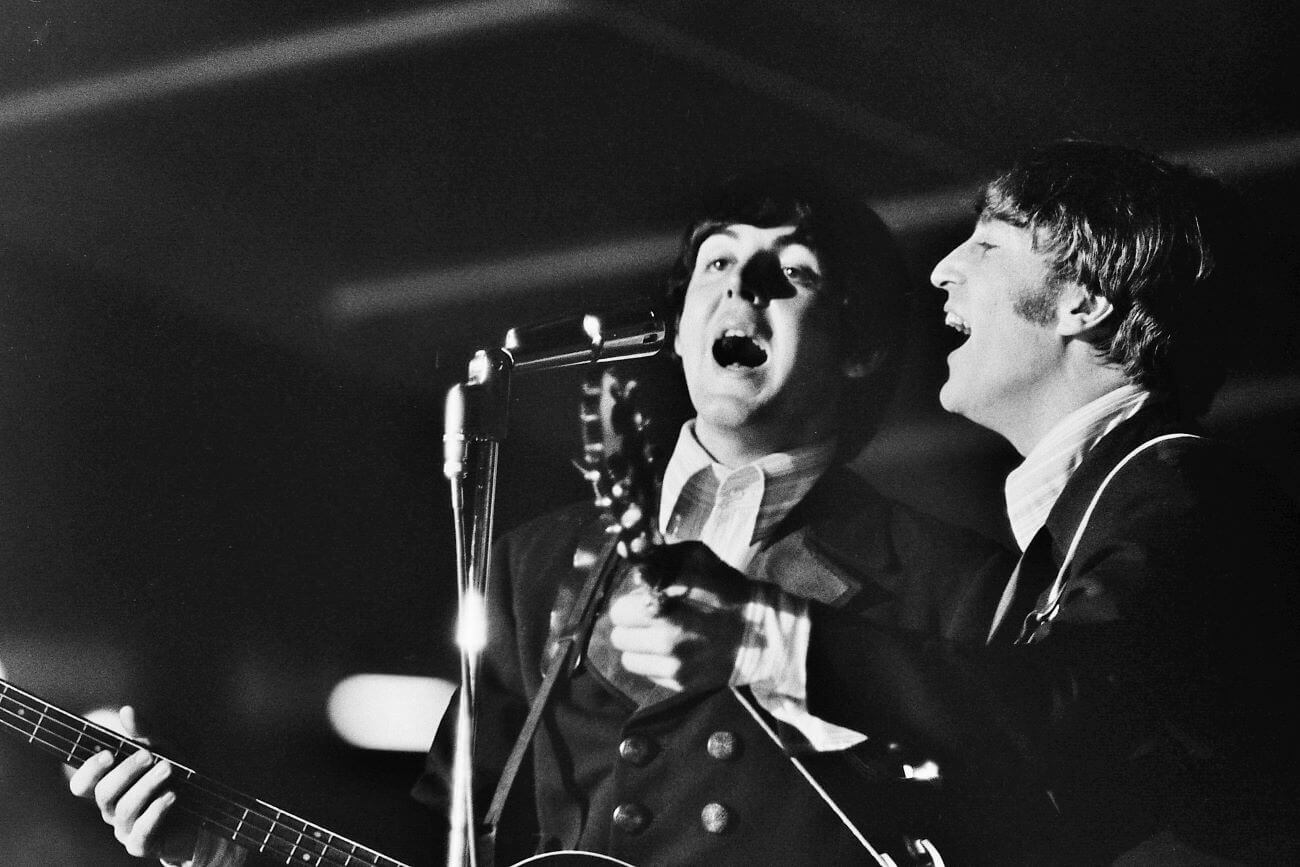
{"x": 772, "y": 662}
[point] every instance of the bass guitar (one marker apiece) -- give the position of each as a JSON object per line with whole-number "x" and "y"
{"x": 623, "y": 475}
{"x": 220, "y": 810}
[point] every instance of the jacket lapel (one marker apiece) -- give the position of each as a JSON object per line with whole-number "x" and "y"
{"x": 834, "y": 547}
{"x": 1034, "y": 574}
{"x": 1030, "y": 579}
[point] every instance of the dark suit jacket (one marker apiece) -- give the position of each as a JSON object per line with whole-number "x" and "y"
{"x": 845, "y": 546}
{"x": 1150, "y": 709}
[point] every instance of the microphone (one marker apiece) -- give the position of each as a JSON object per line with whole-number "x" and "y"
{"x": 614, "y": 335}
{"x": 476, "y": 409}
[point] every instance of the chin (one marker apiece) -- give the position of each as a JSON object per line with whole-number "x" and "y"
{"x": 726, "y": 412}
{"x": 958, "y": 402}
{"x": 949, "y": 398}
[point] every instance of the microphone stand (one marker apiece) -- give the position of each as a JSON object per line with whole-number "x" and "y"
{"x": 475, "y": 425}
{"x": 476, "y": 416}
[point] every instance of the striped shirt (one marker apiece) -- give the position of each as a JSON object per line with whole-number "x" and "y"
{"x": 733, "y": 511}
{"x": 1033, "y": 487}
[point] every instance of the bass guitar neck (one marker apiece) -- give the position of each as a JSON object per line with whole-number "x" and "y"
{"x": 219, "y": 809}
{"x": 252, "y": 823}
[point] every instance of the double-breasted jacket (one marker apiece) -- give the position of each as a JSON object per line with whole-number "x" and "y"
{"x": 694, "y": 778}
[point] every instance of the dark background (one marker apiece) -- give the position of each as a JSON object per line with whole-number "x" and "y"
{"x": 245, "y": 247}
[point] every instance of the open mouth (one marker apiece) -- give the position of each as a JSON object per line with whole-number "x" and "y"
{"x": 956, "y": 323}
{"x": 734, "y": 349}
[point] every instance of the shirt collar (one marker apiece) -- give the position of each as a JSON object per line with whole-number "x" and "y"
{"x": 1033, "y": 487}
{"x": 693, "y": 479}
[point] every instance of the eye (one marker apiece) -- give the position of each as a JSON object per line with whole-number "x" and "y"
{"x": 802, "y": 275}
{"x": 985, "y": 246}
{"x": 801, "y": 267}
{"x": 718, "y": 264}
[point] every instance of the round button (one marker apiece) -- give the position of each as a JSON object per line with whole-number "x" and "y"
{"x": 715, "y": 818}
{"x": 723, "y": 745}
{"x": 631, "y": 818}
{"x": 636, "y": 750}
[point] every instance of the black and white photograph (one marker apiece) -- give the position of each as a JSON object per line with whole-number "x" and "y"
{"x": 670, "y": 434}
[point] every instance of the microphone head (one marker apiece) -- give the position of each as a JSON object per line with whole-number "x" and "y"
{"x": 453, "y": 438}
{"x": 607, "y": 336}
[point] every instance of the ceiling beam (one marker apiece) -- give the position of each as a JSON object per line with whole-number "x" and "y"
{"x": 259, "y": 59}
{"x": 361, "y": 39}
{"x": 353, "y": 303}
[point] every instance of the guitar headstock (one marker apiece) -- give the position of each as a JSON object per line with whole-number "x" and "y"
{"x": 619, "y": 459}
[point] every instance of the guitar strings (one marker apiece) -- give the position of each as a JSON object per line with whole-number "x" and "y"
{"x": 217, "y": 796}
{"x": 217, "y": 818}
{"x": 91, "y": 738}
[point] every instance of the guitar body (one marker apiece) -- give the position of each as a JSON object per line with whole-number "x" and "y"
{"x": 625, "y": 469}
{"x": 571, "y": 859}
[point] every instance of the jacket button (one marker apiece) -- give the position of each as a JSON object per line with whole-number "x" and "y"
{"x": 636, "y": 750}
{"x": 631, "y": 818}
{"x": 723, "y": 745}
{"x": 715, "y": 818}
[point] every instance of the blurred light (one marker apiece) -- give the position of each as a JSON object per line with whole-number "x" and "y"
{"x": 358, "y": 39}
{"x": 389, "y": 711}
{"x": 471, "y": 629}
{"x": 926, "y": 771}
{"x": 486, "y": 282}
{"x": 614, "y": 260}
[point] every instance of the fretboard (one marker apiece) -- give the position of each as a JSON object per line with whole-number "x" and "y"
{"x": 253, "y": 824}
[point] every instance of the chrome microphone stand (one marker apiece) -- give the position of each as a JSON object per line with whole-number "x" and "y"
{"x": 475, "y": 425}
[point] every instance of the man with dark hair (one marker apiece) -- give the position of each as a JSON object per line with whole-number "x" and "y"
{"x": 670, "y": 744}
{"x": 678, "y": 733}
{"x": 1126, "y": 705}
{"x": 860, "y": 264}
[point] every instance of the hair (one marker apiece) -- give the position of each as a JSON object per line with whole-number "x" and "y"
{"x": 861, "y": 264}
{"x": 1158, "y": 241}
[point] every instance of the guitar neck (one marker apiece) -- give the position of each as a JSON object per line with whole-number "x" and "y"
{"x": 253, "y": 824}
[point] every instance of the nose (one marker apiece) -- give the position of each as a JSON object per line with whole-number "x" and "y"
{"x": 946, "y": 273}
{"x": 760, "y": 280}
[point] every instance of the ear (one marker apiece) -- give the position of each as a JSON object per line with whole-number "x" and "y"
{"x": 1080, "y": 310}
{"x": 860, "y": 367}
{"x": 677, "y": 336}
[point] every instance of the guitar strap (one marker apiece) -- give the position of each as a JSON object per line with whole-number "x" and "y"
{"x": 564, "y": 656}
{"x": 1038, "y": 622}
{"x": 747, "y": 702}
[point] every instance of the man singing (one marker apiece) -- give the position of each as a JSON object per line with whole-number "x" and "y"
{"x": 1128, "y": 707}
{"x": 670, "y": 739}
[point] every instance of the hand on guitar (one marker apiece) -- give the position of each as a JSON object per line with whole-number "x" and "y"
{"x": 134, "y": 797}
{"x": 687, "y": 635}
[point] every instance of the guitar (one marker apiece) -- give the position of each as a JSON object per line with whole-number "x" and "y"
{"x": 619, "y": 460}
{"x": 624, "y": 478}
{"x": 220, "y": 810}
{"x": 217, "y": 808}
{"x": 624, "y": 468}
